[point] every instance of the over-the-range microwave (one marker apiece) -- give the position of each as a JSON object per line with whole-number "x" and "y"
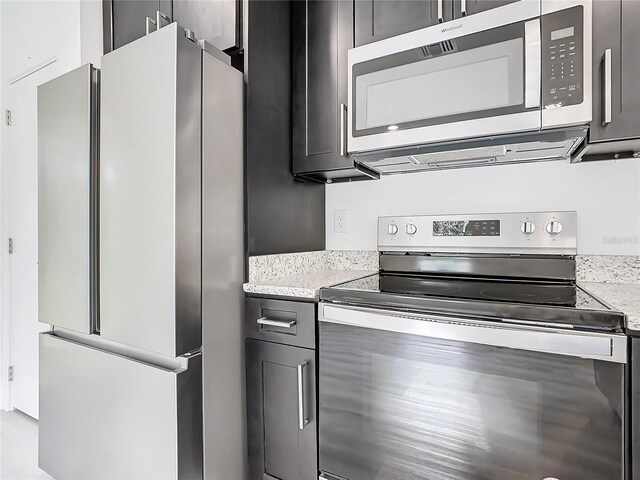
{"x": 511, "y": 84}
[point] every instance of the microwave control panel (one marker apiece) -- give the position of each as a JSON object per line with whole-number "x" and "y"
{"x": 562, "y": 58}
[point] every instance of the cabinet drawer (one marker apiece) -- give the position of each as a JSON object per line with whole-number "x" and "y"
{"x": 280, "y": 321}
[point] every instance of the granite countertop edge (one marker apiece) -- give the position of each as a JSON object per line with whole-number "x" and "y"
{"x": 623, "y": 297}
{"x": 305, "y": 285}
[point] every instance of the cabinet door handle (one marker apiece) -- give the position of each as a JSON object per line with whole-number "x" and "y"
{"x": 463, "y": 7}
{"x": 302, "y": 418}
{"x": 343, "y": 130}
{"x": 149, "y": 26}
{"x": 440, "y": 14}
{"x": 160, "y": 19}
{"x": 606, "y": 86}
{"x": 275, "y": 323}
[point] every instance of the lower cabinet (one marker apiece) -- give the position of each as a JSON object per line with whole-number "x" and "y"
{"x": 281, "y": 411}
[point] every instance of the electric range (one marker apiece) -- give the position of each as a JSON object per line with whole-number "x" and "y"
{"x": 472, "y": 354}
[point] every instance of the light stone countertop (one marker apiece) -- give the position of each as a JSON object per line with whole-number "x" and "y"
{"x": 624, "y": 297}
{"x": 306, "y": 285}
{"x": 303, "y": 274}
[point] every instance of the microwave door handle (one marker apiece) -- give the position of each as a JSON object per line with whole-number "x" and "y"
{"x": 463, "y": 7}
{"x": 532, "y": 55}
{"x": 440, "y": 12}
{"x": 606, "y": 86}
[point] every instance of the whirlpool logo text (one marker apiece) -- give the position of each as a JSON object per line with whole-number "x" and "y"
{"x": 453, "y": 27}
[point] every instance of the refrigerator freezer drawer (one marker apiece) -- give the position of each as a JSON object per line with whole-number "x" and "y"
{"x": 106, "y": 416}
{"x": 67, "y": 177}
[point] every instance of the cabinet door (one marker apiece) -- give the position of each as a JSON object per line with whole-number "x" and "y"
{"x": 216, "y": 21}
{"x": 469, "y": 7}
{"x": 281, "y": 412}
{"x": 322, "y": 34}
{"x": 616, "y": 33}
{"x": 125, "y": 20}
{"x": 378, "y": 19}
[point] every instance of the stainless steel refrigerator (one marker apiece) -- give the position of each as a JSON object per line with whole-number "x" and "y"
{"x": 141, "y": 263}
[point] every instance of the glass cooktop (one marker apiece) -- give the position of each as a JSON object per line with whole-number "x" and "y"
{"x": 565, "y": 304}
{"x": 534, "y": 293}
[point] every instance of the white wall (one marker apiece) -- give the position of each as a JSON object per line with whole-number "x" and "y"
{"x": 32, "y": 33}
{"x": 606, "y": 196}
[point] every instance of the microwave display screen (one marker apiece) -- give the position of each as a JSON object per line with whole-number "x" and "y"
{"x": 466, "y": 228}
{"x": 563, "y": 33}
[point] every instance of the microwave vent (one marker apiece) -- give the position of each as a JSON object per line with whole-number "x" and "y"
{"x": 558, "y": 145}
{"x": 440, "y": 48}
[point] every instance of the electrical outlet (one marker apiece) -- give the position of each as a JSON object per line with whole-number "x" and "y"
{"x": 340, "y": 221}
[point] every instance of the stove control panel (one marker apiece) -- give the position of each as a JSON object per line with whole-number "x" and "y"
{"x": 517, "y": 233}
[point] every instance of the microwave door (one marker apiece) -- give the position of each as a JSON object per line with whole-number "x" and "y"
{"x": 482, "y": 83}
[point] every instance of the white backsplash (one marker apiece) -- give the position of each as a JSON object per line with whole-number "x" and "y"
{"x": 605, "y": 194}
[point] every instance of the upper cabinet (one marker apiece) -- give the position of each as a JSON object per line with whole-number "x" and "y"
{"x": 125, "y": 20}
{"x": 616, "y": 71}
{"x": 216, "y": 21}
{"x": 379, "y": 19}
{"x": 219, "y": 22}
{"x": 463, "y": 8}
{"x": 322, "y": 32}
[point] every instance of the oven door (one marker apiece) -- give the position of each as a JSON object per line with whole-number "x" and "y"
{"x": 408, "y": 396}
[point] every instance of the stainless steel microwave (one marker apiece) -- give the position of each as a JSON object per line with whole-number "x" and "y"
{"x": 521, "y": 67}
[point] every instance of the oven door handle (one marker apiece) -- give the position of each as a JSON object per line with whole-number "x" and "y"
{"x": 598, "y": 346}
{"x": 532, "y": 64}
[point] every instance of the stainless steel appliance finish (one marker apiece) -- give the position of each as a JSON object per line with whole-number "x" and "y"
{"x": 504, "y": 71}
{"x": 472, "y": 354}
{"x": 223, "y": 269}
{"x": 135, "y": 398}
{"x": 405, "y": 396}
{"x": 558, "y": 144}
{"x": 98, "y": 407}
{"x": 67, "y": 176}
{"x": 481, "y": 233}
{"x": 150, "y": 198}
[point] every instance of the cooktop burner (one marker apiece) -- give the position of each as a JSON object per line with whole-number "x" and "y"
{"x": 558, "y": 304}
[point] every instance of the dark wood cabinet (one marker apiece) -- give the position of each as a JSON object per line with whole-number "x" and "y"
{"x": 379, "y": 19}
{"x": 462, "y": 8}
{"x": 281, "y": 411}
{"x": 322, "y": 32}
{"x": 633, "y": 438}
{"x": 125, "y": 20}
{"x": 217, "y": 21}
{"x": 616, "y": 33}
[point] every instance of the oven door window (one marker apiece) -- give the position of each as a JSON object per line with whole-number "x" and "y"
{"x": 398, "y": 406}
{"x": 475, "y": 76}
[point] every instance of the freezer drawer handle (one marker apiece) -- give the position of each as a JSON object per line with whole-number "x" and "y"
{"x": 303, "y": 420}
{"x": 275, "y": 323}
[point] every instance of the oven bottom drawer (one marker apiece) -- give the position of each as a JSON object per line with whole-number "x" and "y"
{"x": 402, "y": 406}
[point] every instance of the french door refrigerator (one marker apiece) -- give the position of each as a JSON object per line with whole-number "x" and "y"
{"x": 141, "y": 262}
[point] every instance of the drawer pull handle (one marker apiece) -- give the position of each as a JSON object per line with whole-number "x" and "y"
{"x": 275, "y": 323}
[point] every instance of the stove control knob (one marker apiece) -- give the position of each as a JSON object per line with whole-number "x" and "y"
{"x": 392, "y": 229}
{"x": 554, "y": 227}
{"x": 411, "y": 229}
{"x": 528, "y": 227}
